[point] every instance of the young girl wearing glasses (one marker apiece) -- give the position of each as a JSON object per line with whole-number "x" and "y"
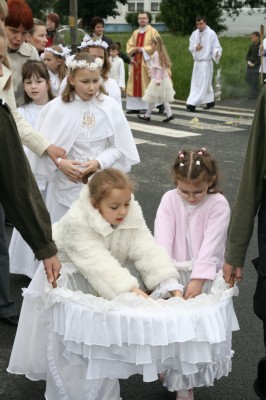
{"x": 191, "y": 224}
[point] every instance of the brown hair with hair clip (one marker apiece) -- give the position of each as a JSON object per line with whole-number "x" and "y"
{"x": 196, "y": 165}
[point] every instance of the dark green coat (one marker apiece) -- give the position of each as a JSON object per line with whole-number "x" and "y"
{"x": 251, "y": 188}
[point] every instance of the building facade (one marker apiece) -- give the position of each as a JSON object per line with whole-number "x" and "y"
{"x": 249, "y": 20}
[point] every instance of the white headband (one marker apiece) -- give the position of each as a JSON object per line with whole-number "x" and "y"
{"x": 65, "y": 51}
{"x": 73, "y": 64}
{"x": 88, "y": 42}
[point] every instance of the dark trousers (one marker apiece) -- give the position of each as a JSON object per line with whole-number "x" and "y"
{"x": 7, "y": 306}
{"x": 252, "y": 79}
{"x": 259, "y": 299}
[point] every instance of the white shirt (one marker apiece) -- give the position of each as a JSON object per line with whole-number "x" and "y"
{"x": 117, "y": 71}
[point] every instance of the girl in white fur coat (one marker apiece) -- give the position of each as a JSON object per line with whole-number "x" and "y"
{"x": 111, "y": 233}
{"x": 102, "y": 234}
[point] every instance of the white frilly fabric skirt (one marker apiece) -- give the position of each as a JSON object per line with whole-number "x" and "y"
{"x": 159, "y": 93}
{"x": 81, "y": 344}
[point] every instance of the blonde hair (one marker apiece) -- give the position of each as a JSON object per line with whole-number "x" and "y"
{"x": 164, "y": 59}
{"x": 3, "y": 8}
{"x": 36, "y": 22}
{"x": 5, "y": 60}
{"x": 62, "y": 69}
{"x": 69, "y": 91}
{"x": 196, "y": 165}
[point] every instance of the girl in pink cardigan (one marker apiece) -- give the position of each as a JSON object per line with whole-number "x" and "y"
{"x": 191, "y": 224}
{"x": 160, "y": 89}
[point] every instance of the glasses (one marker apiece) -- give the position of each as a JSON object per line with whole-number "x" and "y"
{"x": 197, "y": 195}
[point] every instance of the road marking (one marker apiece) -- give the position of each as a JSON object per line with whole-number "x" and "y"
{"x": 158, "y": 130}
{"x": 224, "y": 116}
{"x": 141, "y": 141}
{"x": 217, "y": 109}
{"x": 200, "y": 125}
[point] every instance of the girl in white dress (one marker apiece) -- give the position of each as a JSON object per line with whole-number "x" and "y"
{"x": 160, "y": 89}
{"x": 93, "y": 130}
{"x": 98, "y": 324}
{"x": 55, "y": 59}
{"x": 37, "y": 90}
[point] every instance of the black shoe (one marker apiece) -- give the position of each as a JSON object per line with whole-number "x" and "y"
{"x": 12, "y": 320}
{"x": 160, "y": 109}
{"x": 260, "y": 392}
{"x": 191, "y": 108}
{"x": 132, "y": 111}
{"x": 143, "y": 117}
{"x": 209, "y": 105}
{"x": 168, "y": 119}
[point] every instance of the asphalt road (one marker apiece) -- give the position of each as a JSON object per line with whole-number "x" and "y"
{"x": 224, "y": 131}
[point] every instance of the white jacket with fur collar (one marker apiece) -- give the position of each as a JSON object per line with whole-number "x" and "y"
{"x": 100, "y": 252}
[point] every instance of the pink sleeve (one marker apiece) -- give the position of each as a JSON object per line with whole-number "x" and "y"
{"x": 213, "y": 245}
{"x": 164, "y": 225}
{"x": 157, "y": 69}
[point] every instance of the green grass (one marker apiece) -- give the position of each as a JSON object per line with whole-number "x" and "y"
{"x": 232, "y": 63}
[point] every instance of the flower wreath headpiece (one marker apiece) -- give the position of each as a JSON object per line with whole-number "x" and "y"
{"x": 88, "y": 42}
{"x": 65, "y": 51}
{"x": 73, "y": 64}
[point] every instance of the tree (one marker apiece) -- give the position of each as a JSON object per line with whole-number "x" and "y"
{"x": 39, "y": 7}
{"x": 90, "y": 8}
{"x": 180, "y": 16}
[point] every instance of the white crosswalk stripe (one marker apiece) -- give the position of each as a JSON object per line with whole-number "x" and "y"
{"x": 185, "y": 124}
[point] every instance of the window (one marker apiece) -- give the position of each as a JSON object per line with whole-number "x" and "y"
{"x": 131, "y": 6}
{"x": 154, "y": 7}
{"x": 140, "y": 6}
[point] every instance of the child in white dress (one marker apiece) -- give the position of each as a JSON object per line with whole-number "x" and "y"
{"x": 117, "y": 71}
{"x": 93, "y": 130}
{"x": 105, "y": 249}
{"x": 37, "y": 90}
{"x": 55, "y": 59}
{"x": 160, "y": 89}
{"x": 191, "y": 224}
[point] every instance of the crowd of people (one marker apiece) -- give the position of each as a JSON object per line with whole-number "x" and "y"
{"x": 107, "y": 298}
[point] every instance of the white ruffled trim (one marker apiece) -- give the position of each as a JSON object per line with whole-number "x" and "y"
{"x": 130, "y": 334}
{"x": 205, "y": 376}
{"x": 164, "y": 288}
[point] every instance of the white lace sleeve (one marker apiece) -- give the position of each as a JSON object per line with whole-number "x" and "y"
{"x": 163, "y": 289}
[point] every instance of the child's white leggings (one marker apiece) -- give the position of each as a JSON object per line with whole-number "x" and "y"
{"x": 166, "y": 106}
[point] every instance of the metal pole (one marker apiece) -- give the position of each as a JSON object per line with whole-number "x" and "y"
{"x": 73, "y": 24}
{"x": 261, "y": 53}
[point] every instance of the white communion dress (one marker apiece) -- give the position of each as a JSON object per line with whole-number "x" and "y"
{"x": 80, "y": 343}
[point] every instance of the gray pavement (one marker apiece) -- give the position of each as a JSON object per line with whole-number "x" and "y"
{"x": 152, "y": 174}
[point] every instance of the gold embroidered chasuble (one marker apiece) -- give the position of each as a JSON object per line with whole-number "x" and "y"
{"x": 139, "y": 79}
